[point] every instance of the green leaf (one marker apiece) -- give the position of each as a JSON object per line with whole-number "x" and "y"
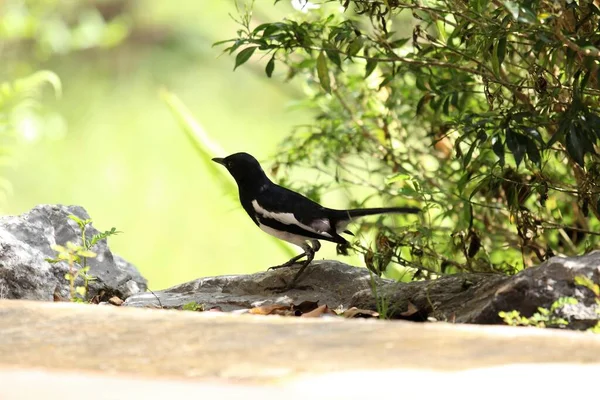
{"x": 516, "y": 144}
{"x": 399, "y": 43}
{"x": 355, "y": 46}
{"x": 270, "y": 67}
{"x": 501, "y": 50}
{"x": 495, "y": 61}
{"x": 469, "y": 155}
{"x": 563, "y": 126}
{"x": 513, "y": 8}
{"x": 78, "y": 220}
{"x": 272, "y": 28}
{"x": 533, "y": 152}
{"x": 426, "y": 97}
{"x": 193, "y": 306}
{"x": 446, "y": 107}
{"x": 520, "y": 13}
{"x": 73, "y": 247}
{"x": 323, "y": 72}
{"x": 371, "y": 65}
{"x": 86, "y": 253}
{"x": 396, "y": 177}
{"x": 334, "y": 56}
{"x": 386, "y": 80}
{"x": 583, "y": 280}
{"x": 575, "y": 146}
{"x": 58, "y": 248}
{"x": 498, "y": 148}
{"x": 244, "y": 56}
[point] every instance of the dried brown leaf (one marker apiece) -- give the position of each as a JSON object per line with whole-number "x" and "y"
{"x": 358, "y": 313}
{"x": 319, "y": 311}
{"x": 306, "y": 306}
{"x": 411, "y": 310}
{"x": 115, "y": 301}
{"x": 56, "y": 296}
{"x": 270, "y": 309}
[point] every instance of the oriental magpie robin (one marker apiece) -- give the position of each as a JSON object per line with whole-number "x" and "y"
{"x": 288, "y": 215}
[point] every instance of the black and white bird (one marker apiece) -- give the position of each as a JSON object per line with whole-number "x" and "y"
{"x": 288, "y": 215}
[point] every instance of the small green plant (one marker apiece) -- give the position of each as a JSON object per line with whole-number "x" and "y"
{"x": 74, "y": 253}
{"x": 547, "y": 318}
{"x": 193, "y": 306}
{"x": 595, "y": 288}
{"x": 89, "y": 243}
{"x": 382, "y": 302}
{"x": 544, "y": 318}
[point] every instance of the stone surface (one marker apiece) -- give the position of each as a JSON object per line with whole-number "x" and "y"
{"x": 463, "y": 298}
{"x": 25, "y": 243}
{"x": 329, "y": 282}
{"x": 244, "y": 349}
{"x": 478, "y": 298}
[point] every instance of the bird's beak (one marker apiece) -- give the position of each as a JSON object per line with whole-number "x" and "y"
{"x": 219, "y": 160}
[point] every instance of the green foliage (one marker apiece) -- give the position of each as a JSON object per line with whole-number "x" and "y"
{"x": 544, "y": 318}
{"x": 56, "y": 26}
{"x": 489, "y": 111}
{"x": 72, "y": 254}
{"x": 193, "y": 306}
{"x": 381, "y": 301}
{"x": 78, "y": 254}
{"x": 89, "y": 243}
{"x": 31, "y": 32}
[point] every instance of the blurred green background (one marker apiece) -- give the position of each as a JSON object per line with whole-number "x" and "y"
{"x": 111, "y": 145}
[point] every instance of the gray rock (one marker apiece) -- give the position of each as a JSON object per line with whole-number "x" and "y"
{"x": 328, "y": 282}
{"x": 26, "y": 241}
{"x": 478, "y": 298}
{"x": 462, "y": 298}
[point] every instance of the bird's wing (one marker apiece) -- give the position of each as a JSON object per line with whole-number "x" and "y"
{"x": 284, "y": 209}
{"x": 319, "y": 225}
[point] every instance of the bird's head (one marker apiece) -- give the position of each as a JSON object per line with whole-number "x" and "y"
{"x": 244, "y": 168}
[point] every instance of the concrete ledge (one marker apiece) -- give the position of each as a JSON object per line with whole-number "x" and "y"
{"x": 146, "y": 347}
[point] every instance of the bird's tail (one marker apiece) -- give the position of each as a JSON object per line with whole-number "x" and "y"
{"x": 361, "y": 212}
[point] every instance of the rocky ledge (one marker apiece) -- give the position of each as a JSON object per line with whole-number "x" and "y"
{"x": 462, "y": 298}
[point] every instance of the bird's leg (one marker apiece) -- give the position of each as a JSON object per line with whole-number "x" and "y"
{"x": 310, "y": 255}
{"x": 289, "y": 263}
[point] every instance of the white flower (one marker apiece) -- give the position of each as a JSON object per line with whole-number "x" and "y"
{"x": 304, "y": 5}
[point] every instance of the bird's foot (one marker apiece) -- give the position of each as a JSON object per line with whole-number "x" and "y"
{"x": 292, "y": 284}
{"x": 287, "y": 264}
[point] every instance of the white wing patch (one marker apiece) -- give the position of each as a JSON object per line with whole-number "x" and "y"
{"x": 288, "y": 237}
{"x": 319, "y": 226}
